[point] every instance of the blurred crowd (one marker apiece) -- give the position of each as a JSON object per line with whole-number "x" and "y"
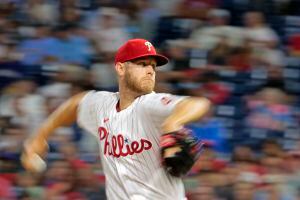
{"x": 244, "y": 55}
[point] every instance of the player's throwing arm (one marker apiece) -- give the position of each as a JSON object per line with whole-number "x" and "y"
{"x": 36, "y": 147}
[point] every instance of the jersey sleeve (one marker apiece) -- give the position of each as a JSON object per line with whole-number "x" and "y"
{"x": 161, "y": 105}
{"x": 87, "y": 113}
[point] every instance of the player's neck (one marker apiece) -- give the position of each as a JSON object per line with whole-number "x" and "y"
{"x": 127, "y": 97}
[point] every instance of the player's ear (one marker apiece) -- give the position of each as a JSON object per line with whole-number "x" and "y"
{"x": 120, "y": 68}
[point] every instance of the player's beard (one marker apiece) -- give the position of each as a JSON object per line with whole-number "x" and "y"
{"x": 141, "y": 86}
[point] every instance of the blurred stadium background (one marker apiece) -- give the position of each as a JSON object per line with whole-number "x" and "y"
{"x": 242, "y": 54}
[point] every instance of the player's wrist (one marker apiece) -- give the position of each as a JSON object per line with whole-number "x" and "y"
{"x": 170, "y": 127}
{"x": 37, "y": 145}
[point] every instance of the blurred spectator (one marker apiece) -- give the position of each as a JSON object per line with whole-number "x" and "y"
{"x": 35, "y": 50}
{"x": 89, "y": 184}
{"x": 42, "y": 11}
{"x": 167, "y": 8}
{"x": 195, "y": 8}
{"x": 70, "y": 153}
{"x": 218, "y": 55}
{"x": 61, "y": 181}
{"x": 245, "y": 187}
{"x": 146, "y": 18}
{"x": 239, "y": 59}
{"x": 212, "y": 88}
{"x": 63, "y": 4}
{"x": 83, "y": 47}
{"x": 62, "y": 44}
{"x": 59, "y": 87}
{"x": 202, "y": 192}
{"x": 28, "y": 185}
{"x": 275, "y": 178}
{"x": 270, "y": 110}
{"x": 68, "y": 47}
{"x": 103, "y": 76}
{"x": 12, "y": 139}
{"x": 207, "y": 163}
{"x": 226, "y": 56}
{"x": 9, "y": 164}
{"x": 178, "y": 56}
{"x": 70, "y": 16}
{"x": 20, "y": 102}
{"x": 262, "y": 39}
{"x": 3, "y": 46}
{"x": 216, "y": 30}
{"x": 244, "y": 160}
{"x": 271, "y": 147}
{"x": 4, "y": 123}
{"x": 108, "y": 34}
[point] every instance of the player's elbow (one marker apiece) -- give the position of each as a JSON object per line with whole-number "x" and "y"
{"x": 201, "y": 104}
{"x": 197, "y": 106}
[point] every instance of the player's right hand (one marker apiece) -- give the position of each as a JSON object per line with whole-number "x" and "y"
{"x": 33, "y": 152}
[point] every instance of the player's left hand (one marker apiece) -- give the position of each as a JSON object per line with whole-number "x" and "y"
{"x": 179, "y": 151}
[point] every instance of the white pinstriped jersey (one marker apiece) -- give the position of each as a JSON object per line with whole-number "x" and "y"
{"x": 129, "y": 144}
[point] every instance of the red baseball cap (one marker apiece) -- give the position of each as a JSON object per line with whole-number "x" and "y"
{"x": 138, "y": 48}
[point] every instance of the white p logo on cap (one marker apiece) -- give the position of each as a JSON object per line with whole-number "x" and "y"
{"x": 149, "y": 45}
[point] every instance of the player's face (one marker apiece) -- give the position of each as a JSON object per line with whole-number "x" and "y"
{"x": 140, "y": 75}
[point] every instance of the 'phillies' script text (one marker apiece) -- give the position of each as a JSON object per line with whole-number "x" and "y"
{"x": 116, "y": 146}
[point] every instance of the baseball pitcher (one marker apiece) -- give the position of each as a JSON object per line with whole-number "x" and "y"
{"x": 144, "y": 147}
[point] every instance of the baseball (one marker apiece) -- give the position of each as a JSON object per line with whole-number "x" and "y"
{"x": 38, "y": 163}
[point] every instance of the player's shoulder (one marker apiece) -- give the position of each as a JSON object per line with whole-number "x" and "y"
{"x": 159, "y": 104}
{"x": 99, "y": 96}
{"x": 100, "y": 93}
{"x": 105, "y": 93}
{"x": 164, "y": 98}
{"x": 155, "y": 96}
